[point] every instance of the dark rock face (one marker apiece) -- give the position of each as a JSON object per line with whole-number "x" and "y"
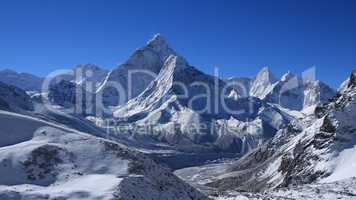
{"x": 352, "y": 82}
{"x": 4, "y": 105}
{"x": 320, "y": 111}
{"x": 327, "y": 126}
{"x": 247, "y": 169}
{"x": 293, "y": 167}
{"x": 13, "y": 98}
{"x": 41, "y": 166}
{"x": 70, "y": 95}
{"x": 63, "y": 93}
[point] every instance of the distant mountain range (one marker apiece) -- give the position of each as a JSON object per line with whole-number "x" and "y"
{"x": 262, "y": 133}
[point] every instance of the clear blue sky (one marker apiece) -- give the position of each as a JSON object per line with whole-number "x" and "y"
{"x": 240, "y": 37}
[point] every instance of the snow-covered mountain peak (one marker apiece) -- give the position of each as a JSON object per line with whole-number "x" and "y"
{"x": 157, "y": 39}
{"x": 151, "y": 56}
{"x": 266, "y": 75}
{"x": 137, "y": 72}
{"x": 291, "y": 91}
{"x": 160, "y": 45}
{"x": 263, "y": 83}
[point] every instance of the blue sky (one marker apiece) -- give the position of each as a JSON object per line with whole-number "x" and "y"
{"x": 239, "y": 37}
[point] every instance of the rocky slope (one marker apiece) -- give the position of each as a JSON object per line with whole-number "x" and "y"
{"x": 319, "y": 148}
{"x": 71, "y": 95}
{"x": 336, "y": 190}
{"x": 41, "y": 160}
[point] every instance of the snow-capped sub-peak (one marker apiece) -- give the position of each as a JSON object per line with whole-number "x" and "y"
{"x": 86, "y": 74}
{"x": 233, "y": 94}
{"x": 263, "y": 83}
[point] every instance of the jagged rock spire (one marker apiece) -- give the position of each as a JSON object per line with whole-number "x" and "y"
{"x": 263, "y": 80}
{"x": 157, "y": 39}
{"x": 266, "y": 75}
{"x": 349, "y": 83}
{"x": 352, "y": 81}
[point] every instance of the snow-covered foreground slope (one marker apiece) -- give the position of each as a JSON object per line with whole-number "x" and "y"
{"x": 344, "y": 190}
{"x": 41, "y": 160}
